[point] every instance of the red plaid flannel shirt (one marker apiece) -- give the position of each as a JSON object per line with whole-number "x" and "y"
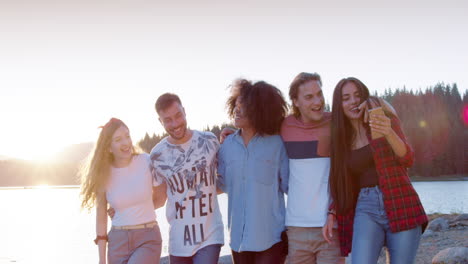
{"x": 402, "y": 204}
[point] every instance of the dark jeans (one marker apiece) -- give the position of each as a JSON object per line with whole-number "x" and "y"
{"x": 206, "y": 255}
{"x": 274, "y": 255}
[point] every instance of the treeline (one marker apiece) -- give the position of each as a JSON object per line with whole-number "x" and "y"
{"x": 148, "y": 142}
{"x": 62, "y": 170}
{"x": 432, "y": 120}
{"x": 433, "y": 123}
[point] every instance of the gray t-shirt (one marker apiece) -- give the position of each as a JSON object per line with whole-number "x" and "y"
{"x": 189, "y": 171}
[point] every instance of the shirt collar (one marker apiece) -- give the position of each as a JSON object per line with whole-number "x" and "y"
{"x": 238, "y": 137}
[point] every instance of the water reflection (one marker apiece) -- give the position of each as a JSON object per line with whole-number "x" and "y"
{"x": 46, "y": 225}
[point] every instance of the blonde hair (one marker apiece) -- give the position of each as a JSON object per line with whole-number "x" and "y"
{"x": 95, "y": 172}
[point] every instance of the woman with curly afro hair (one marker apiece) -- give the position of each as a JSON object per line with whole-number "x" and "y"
{"x": 253, "y": 171}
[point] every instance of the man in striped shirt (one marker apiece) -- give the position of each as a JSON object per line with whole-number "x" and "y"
{"x": 306, "y": 135}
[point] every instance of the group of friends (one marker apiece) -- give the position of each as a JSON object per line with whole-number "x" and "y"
{"x": 344, "y": 174}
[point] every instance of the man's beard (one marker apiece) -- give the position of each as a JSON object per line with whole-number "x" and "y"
{"x": 173, "y": 134}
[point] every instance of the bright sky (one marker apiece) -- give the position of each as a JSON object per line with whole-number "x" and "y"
{"x": 67, "y": 66}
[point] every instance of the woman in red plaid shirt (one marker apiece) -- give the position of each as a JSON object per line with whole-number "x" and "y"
{"x": 374, "y": 202}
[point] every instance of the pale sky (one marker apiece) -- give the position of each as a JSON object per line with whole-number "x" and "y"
{"x": 66, "y": 67}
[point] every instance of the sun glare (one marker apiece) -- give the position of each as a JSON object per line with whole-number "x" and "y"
{"x": 35, "y": 152}
{"x": 422, "y": 124}
{"x": 38, "y": 156}
{"x": 43, "y": 186}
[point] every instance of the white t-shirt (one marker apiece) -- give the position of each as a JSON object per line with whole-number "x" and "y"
{"x": 308, "y": 192}
{"x": 129, "y": 192}
{"x": 189, "y": 171}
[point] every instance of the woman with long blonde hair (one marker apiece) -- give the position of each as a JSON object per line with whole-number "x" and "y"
{"x": 116, "y": 174}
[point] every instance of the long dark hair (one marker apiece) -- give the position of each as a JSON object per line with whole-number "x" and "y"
{"x": 342, "y": 187}
{"x": 264, "y": 104}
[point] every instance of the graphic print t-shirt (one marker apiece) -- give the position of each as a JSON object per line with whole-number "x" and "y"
{"x": 189, "y": 171}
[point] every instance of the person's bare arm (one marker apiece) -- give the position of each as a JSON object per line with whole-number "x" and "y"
{"x": 159, "y": 195}
{"x": 219, "y": 191}
{"x": 327, "y": 229}
{"x": 382, "y": 124}
{"x": 101, "y": 226}
{"x": 225, "y": 133}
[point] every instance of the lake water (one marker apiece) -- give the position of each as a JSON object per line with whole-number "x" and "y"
{"x": 47, "y": 226}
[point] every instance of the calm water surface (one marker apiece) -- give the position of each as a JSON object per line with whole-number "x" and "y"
{"x": 47, "y": 225}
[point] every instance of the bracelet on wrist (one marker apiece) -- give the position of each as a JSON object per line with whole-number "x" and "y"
{"x": 105, "y": 238}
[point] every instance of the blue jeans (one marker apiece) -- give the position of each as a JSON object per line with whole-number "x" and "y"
{"x": 206, "y": 255}
{"x": 372, "y": 232}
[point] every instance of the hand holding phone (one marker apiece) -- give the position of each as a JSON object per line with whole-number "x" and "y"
{"x": 372, "y": 112}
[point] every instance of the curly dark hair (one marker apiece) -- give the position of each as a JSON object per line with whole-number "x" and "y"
{"x": 263, "y": 103}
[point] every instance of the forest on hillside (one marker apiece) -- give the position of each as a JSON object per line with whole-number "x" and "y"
{"x": 432, "y": 121}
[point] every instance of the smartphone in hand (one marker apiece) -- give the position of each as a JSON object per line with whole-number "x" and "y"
{"x": 376, "y": 111}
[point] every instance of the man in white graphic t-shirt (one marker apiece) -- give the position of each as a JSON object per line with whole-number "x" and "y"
{"x": 184, "y": 164}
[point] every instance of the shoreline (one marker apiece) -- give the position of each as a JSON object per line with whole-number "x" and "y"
{"x": 439, "y": 178}
{"x": 447, "y": 178}
{"x": 429, "y": 246}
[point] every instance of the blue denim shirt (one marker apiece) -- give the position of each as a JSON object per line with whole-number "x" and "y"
{"x": 255, "y": 178}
